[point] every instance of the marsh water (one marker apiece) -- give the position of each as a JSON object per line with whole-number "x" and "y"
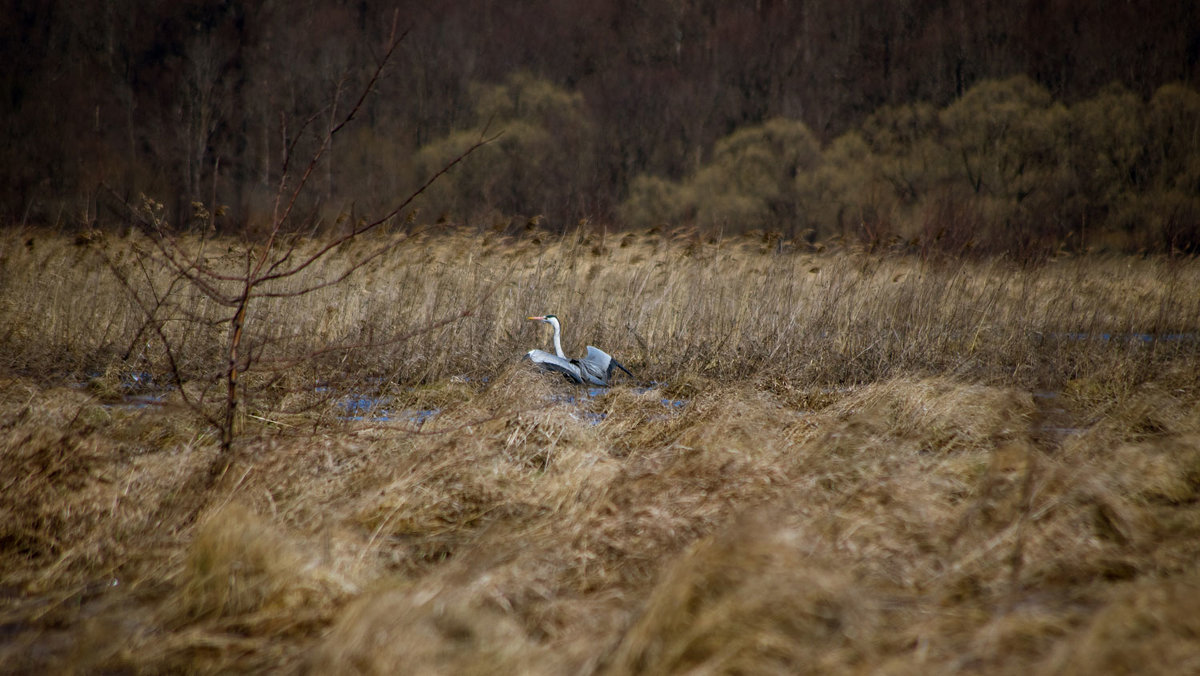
{"x": 140, "y": 390}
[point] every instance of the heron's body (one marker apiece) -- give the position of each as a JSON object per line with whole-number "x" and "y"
{"x": 595, "y": 369}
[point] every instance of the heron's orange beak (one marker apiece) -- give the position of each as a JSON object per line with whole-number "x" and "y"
{"x": 536, "y": 319}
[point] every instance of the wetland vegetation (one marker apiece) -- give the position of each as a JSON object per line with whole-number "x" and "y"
{"x": 841, "y": 461}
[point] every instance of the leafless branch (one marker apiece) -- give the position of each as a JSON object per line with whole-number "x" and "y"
{"x": 255, "y": 277}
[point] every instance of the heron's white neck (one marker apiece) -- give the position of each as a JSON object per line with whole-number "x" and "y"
{"x": 557, "y": 338}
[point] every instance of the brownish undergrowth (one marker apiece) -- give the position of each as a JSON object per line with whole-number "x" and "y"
{"x": 850, "y": 464}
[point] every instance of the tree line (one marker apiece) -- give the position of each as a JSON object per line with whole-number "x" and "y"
{"x": 617, "y": 111}
{"x": 1003, "y": 168}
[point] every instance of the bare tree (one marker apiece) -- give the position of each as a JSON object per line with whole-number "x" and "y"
{"x": 268, "y": 270}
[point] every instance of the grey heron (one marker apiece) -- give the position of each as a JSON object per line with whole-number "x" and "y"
{"x": 596, "y": 368}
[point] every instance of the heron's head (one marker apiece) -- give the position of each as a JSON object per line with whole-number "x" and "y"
{"x": 548, "y": 319}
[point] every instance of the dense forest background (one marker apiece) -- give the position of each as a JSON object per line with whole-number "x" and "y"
{"x": 953, "y": 123}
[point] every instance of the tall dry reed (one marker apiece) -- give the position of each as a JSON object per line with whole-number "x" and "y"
{"x": 672, "y": 306}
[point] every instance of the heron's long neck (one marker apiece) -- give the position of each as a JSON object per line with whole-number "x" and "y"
{"x": 558, "y": 342}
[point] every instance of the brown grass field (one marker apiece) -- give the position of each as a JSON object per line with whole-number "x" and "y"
{"x": 830, "y": 462}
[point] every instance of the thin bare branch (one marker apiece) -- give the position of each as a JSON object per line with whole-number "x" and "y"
{"x": 357, "y": 231}
{"x": 157, "y": 326}
{"x": 281, "y": 218}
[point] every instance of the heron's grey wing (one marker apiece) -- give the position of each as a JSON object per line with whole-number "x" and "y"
{"x": 605, "y": 361}
{"x": 614, "y": 363}
{"x": 552, "y": 362}
{"x": 598, "y": 366}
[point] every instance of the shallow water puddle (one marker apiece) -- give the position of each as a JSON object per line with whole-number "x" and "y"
{"x": 1144, "y": 338}
{"x": 140, "y": 391}
{"x": 143, "y": 400}
{"x": 666, "y": 401}
{"x": 366, "y": 408}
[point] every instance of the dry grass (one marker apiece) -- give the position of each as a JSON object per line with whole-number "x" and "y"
{"x": 882, "y": 466}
